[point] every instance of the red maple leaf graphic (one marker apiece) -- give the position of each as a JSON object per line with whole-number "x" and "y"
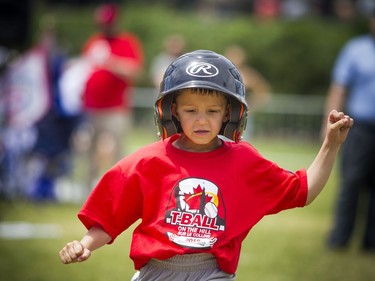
{"x": 195, "y": 200}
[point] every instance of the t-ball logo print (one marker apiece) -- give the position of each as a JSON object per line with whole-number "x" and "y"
{"x": 195, "y": 214}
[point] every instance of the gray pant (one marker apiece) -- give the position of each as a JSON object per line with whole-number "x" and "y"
{"x": 357, "y": 176}
{"x": 194, "y": 267}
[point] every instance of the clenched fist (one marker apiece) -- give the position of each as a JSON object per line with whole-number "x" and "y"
{"x": 74, "y": 252}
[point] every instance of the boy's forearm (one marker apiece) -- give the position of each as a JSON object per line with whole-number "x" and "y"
{"x": 319, "y": 171}
{"x": 95, "y": 238}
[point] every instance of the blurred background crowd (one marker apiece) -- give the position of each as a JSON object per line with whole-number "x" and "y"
{"x": 76, "y": 79}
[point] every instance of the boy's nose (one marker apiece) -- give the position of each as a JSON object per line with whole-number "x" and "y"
{"x": 201, "y": 118}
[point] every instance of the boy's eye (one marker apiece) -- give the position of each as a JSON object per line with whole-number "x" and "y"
{"x": 189, "y": 110}
{"x": 214, "y": 110}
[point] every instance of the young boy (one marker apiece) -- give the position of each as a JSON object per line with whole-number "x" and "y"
{"x": 197, "y": 194}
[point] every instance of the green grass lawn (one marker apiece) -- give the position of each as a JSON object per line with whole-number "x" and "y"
{"x": 285, "y": 247}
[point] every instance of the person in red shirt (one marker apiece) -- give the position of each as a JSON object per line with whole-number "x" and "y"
{"x": 200, "y": 189}
{"x": 117, "y": 60}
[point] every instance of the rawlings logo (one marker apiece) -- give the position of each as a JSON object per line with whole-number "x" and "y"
{"x": 202, "y": 69}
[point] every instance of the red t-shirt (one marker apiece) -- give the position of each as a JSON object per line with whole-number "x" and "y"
{"x": 191, "y": 202}
{"x": 104, "y": 90}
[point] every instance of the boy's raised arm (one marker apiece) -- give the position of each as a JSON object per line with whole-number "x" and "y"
{"x": 338, "y": 126}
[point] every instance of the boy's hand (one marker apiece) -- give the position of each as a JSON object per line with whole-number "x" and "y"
{"x": 74, "y": 252}
{"x": 338, "y": 127}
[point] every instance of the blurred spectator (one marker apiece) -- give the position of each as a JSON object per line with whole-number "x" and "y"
{"x": 52, "y": 150}
{"x": 344, "y": 10}
{"x": 25, "y": 97}
{"x": 353, "y": 89}
{"x": 267, "y": 9}
{"x": 6, "y": 56}
{"x": 364, "y": 7}
{"x": 37, "y": 130}
{"x": 295, "y": 8}
{"x": 173, "y": 47}
{"x": 257, "y": 87}
{"x": 117, "y": 58}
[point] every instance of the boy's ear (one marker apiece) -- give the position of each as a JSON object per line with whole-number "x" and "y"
{"x": 227, "y": 114}
{"x": 174, "y": 111}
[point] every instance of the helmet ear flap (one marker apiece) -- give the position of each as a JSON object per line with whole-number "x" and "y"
{"x": 237, "y": 121}
{"x": 163, "y": 117}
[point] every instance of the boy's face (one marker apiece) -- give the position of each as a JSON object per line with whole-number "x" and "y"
{"x": 201, "y": 116}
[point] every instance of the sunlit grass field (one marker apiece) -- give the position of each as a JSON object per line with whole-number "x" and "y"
{"x": 289, "y": 246}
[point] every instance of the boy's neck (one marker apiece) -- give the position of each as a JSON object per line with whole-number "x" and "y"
{"x": 184, "y": 143}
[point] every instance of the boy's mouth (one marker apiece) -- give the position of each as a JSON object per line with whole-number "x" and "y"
{"x": 201, "y": 132}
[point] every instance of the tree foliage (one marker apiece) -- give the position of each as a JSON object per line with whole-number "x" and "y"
{"x": 294, "y": 56}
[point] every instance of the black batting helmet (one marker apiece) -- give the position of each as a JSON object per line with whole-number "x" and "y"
{"x": 206, "y": 70}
